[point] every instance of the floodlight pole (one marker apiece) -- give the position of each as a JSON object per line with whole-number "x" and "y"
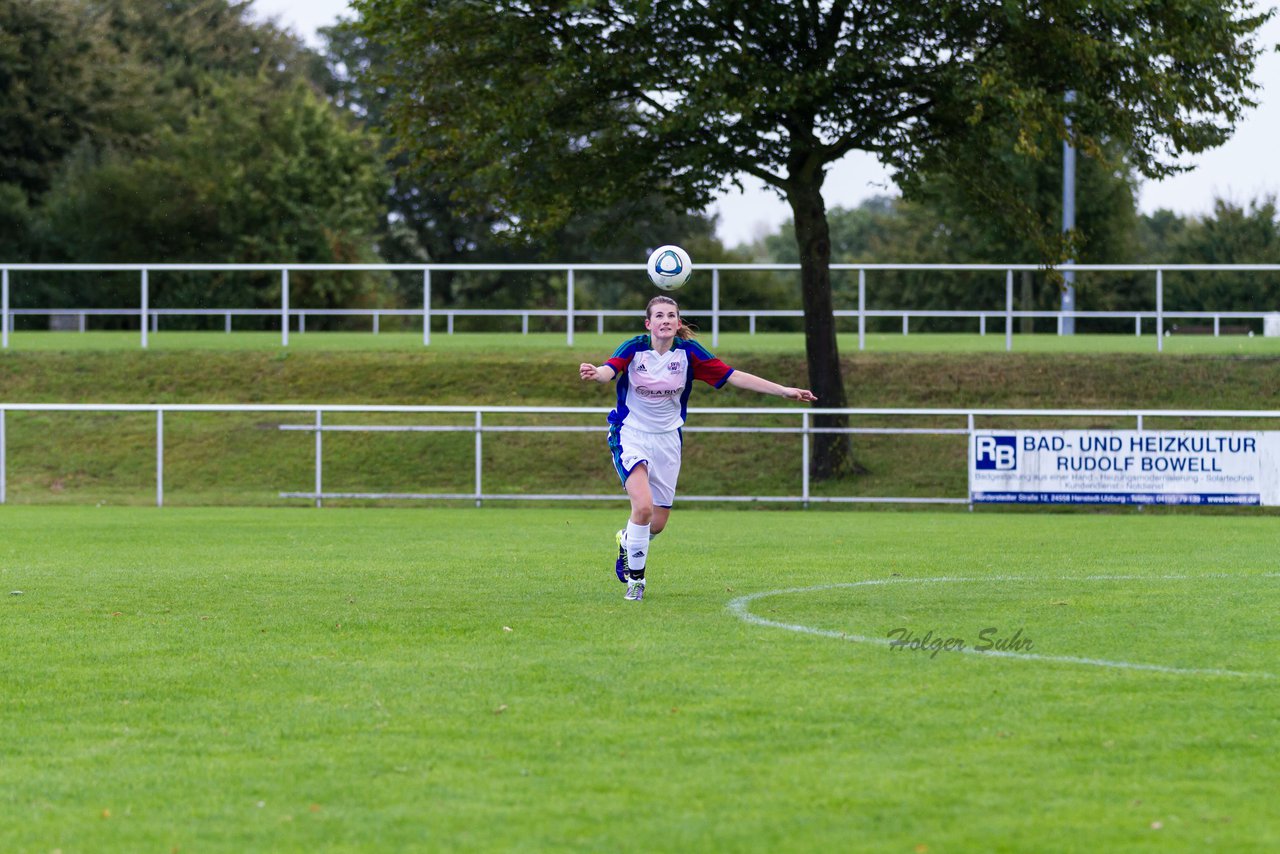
{"x": 1068, "y": 323}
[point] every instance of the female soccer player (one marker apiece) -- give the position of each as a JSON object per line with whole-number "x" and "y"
{"x": 655, "y": 375}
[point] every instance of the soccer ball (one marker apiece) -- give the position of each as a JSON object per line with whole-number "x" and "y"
{"x": 669, "y": 267}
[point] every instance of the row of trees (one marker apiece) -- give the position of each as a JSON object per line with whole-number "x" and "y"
{"x": 189, "y": 131}
{"x": 154, "y": 130}
{"x": 929, "y": 231}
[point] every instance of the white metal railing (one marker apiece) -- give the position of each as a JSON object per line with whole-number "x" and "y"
{"x": 965, "y": 426}
{"x": 149, "y": 317}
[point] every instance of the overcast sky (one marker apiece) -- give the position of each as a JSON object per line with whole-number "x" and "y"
{"x": 1247, "y": 167}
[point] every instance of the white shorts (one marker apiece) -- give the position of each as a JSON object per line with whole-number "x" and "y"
{"x": 660, "y": 452}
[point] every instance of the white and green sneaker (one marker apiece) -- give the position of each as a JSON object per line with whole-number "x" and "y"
{"x": 635, "y": 590}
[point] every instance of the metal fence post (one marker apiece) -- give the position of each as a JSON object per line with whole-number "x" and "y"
{"x": 862, "y": 309}
{"x": 969, "y": 451}
{"x": 4, "y": 310}
{"x": 426, "y": 308}
{"x": 715, "y": 307}
{"x": 479, "y": 456}
{"x": 319, "y": 463}
{"x": 804, "y": 456}
{"x": 159, "y": 457}
{"x": 568, "y": 315}
{"x": 143, "y": 311}
{"x": 1159, "y": 311}
{"x": 284, "y": 308}
{"x": 1008, "y": 311}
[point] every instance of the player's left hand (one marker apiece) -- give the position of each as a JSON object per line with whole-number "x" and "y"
{"x": 800, "y": 394}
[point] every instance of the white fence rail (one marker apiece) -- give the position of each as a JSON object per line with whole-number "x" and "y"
{"x": 149, "y": 316}
{"x": 316, "y": 423}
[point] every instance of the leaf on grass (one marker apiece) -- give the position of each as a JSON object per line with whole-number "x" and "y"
{"x": 500, "y": 709}
{"x": 507, "y": 629}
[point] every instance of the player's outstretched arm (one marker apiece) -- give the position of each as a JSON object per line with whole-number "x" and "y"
{"x": 751, "y": 382}
{"x": 600, "y": 374}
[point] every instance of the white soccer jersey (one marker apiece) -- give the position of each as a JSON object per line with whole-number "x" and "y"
{"x": 653, "y": 388}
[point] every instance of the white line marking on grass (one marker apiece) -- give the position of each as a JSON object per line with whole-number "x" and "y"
{"x": 740, "y": 608}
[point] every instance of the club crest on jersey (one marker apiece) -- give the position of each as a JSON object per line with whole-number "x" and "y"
{"x": 673, "y": 367}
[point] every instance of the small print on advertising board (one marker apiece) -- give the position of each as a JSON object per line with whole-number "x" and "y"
{"x": 1198, "y": 467}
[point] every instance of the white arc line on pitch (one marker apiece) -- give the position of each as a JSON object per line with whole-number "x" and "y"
{"x": 740, "y": 608}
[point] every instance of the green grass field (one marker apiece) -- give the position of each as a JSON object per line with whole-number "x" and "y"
{"x": 770, "y": 343}
{"x": 462, "y": 679}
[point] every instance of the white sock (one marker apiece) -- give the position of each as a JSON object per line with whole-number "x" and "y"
{"x": 637, "y": 548}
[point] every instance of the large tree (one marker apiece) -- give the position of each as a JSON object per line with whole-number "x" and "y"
{"x": 543, "y": 108}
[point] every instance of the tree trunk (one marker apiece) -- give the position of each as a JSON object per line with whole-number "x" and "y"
{"x": 832, "y": 453}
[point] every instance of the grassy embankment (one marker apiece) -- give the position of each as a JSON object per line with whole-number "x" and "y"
{"x": 246, "y": 459}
